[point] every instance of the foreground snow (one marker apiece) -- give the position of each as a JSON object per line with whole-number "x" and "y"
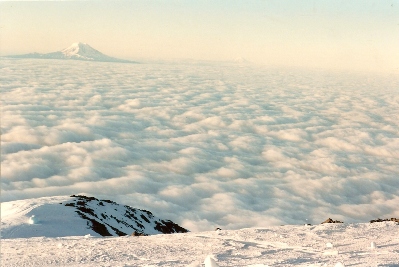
{"x": 319, "y": 245}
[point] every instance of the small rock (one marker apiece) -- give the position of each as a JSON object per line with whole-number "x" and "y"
{"x": 329, "y": 220}
{"x": 137, "y": 234}
{"x": 385, "y": 220}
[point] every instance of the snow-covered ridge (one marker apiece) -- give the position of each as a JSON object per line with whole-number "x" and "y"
{"x": 76, "y": 51}
{"x": 78, "y": 215}
{"x": 111, "y": 219}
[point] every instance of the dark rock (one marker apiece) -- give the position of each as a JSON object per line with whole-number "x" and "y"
{"x": 385, "y": 220}
{"x": 97, "y": 227}
{"x": 138, "y": 234}
{"x": 108, "y": 201}
{"x": 329, "y": 220}
{"x": 123, "y": 221}
{"x": 169, "y": 227}
{"x": 144, "y": 218}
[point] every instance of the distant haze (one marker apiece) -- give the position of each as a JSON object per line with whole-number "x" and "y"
{"x": 357, "y": 35}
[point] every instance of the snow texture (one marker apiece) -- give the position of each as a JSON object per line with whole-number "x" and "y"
{"x": 257, "y": 247}
{"x": 210, "y": 262}
{"x": 204, "y": 145}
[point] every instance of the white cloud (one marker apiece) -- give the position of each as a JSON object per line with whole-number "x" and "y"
{"x": 223, "y": 146}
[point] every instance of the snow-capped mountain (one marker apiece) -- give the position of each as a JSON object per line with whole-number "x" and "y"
{"x": 77, "y": 216}
{"x": 77, "y": 51}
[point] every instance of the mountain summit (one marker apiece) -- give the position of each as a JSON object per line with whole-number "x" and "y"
{"x": 82, "y": 51}
{"x": 76, "y": 51}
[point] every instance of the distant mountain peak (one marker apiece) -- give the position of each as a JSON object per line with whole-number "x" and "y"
{"x": 79, "y": 45}
{"x": 76, "y": 51}
{"x": 83, "y": 51}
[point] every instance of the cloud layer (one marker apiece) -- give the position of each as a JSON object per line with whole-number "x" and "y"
{"x": 204, "y": 145}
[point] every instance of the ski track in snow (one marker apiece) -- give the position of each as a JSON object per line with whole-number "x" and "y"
{"x": 204, "y": 145}
{"x": 274, "y": 246}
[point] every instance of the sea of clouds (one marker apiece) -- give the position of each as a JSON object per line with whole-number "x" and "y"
{"x": 205, "y": 145}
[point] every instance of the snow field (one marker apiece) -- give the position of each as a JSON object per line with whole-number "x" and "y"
{"x": 301, "y": 246}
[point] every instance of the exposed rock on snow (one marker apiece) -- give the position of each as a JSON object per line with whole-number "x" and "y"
{"x": 329, "y": 220}
{"x": 108, "y": 218}
{"x": 77, "y": 51}
{"x": 79, "y": 216}
{"x": 385, "y": 220}
{"x": 137, "y": 234}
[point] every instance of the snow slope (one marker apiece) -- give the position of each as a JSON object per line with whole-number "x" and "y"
{"x": 77, "y": 51}
{"x": 311, "y": 246}
{"x": 59, "y": 231}
{"x": 78, "y": 215}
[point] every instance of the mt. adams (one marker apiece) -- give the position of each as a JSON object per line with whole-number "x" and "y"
{"x": 77, "y": 51}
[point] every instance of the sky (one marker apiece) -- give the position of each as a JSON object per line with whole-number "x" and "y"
{"x": 357, "y": 35}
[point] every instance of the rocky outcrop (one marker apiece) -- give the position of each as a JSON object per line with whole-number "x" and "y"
{"x": 108, "y": 218}
{"x": 385, "y": 220}
{"x": 137, "y": 234}
{"x": 329, "y": 220}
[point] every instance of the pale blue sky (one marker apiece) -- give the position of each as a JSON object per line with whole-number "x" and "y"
{"x": 341, "y": 34}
